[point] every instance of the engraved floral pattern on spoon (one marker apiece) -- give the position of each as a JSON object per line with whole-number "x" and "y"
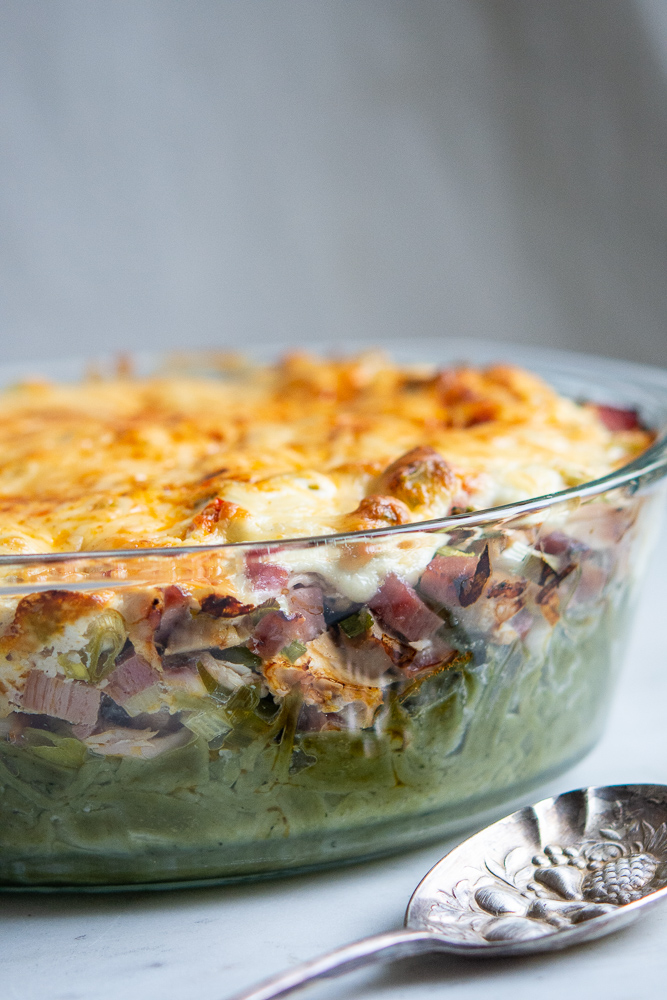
{"x": 523, "y": 896}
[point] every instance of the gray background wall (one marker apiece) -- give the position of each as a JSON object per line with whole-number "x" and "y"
{"x": 211, "y": 171}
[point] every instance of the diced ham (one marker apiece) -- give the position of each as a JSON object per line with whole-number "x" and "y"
{"x": 308, "y": 602}
{"x": 592, "y": 581}
{"x": 555, "y": 544}
{"x": 558, "y": 544}
{"x": 481, "y": 601}
{"x": 442, "y": 578}
{"x": 274, "y": 631}
{"x": 399, "y": 606}
{"x": 82, "y": 732}
{"x": 522, "y": 622}
{"x": 599, "y": 525}
{"x": 434, "y": 651}
{"x": 131, "y": 677}
{"x": 176, "y": 608}
{"x": 69, "y": 700}
{"x": 265, "y": 577}
{"x": 312, "y": 720}
{"x": 616, "y": 419}
{"x": 368, "y": 658}
{"x": 373, "y": 652}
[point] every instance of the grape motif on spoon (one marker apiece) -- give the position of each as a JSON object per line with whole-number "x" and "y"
{"x": 566, "y": 870}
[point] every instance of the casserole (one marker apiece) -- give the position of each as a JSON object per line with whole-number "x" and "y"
{"x": 201, "y": 693}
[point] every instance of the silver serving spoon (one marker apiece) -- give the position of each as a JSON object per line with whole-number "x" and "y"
{"x": 566, "y": 870}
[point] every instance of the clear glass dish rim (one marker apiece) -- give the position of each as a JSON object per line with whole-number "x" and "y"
{"x": 652, "y": 461}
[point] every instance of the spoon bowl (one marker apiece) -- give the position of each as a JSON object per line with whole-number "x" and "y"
{"x": 566, "y": 870}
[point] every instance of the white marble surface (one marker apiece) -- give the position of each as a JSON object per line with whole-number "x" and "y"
{"x": 209, "y": 943}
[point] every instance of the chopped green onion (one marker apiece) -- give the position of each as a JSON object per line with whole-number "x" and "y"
{"x": 147, "y": 700}
{"x": 70, "y": 753}
{"x": 357, "y": 624}
{"x": 208, "y": 725}
{"x": 107, "y": 635}
{"x": 245, "y": 732}
{"x": 294, "y": 650}
{"x": 239, "y": 654}
{"x": 62, "y": 750}
{"x": 73, "y": 665}
{"x": 216, "y": 691}
{"x": 242, "y": 702}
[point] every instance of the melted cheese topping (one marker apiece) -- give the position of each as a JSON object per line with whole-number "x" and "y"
{"x": 286, "y": 451}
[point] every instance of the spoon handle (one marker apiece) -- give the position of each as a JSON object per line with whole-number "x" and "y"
{"x": 379, "y": 948}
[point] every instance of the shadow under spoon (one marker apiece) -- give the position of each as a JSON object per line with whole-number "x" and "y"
{"x": 566, "y": 870}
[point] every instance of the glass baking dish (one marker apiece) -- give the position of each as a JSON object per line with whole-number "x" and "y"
{"x": 525, "y": 607}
